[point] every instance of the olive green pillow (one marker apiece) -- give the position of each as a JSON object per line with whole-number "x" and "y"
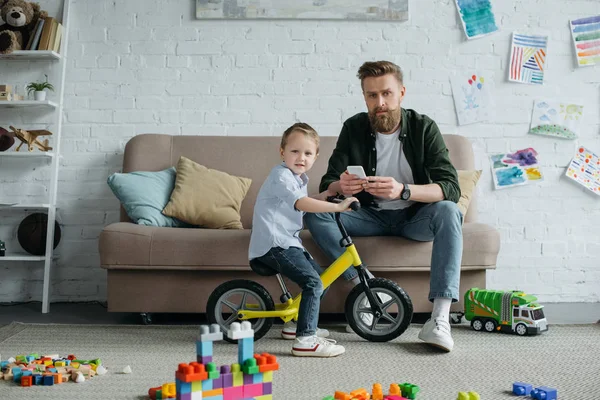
{"x": 467, "y": 181}
{"x": 206, "y": 197}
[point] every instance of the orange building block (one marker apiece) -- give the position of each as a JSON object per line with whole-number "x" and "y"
{"x": 266, "y": 362}
{"x": 26, "y": 380}
{"x": 377, "y": 392}
{"x": 342, "y": 396}
{"x": 191, "y": 372}
{"x": 212, "y": 393}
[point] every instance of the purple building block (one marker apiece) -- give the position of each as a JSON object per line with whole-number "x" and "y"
{"x": 204, "y": 359}
{"x": 248, "y": 379}
{"x": 227, "y": 377}
{"x": 267, "y": 388}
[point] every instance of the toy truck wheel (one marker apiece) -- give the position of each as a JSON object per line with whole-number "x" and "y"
{"x": 146, "y": 318}
{"x": 477, "y": 324}
{"x": 521, "y": 330}
{"x": 490, "y": 325}
{"x": 230, "y": 297}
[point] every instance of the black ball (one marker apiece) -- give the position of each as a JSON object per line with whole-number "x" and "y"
{"x": 32, "y": 233}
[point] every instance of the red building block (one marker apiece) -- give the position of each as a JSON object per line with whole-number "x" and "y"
{"x": 191, "y": 372}
{"x": 266, "y": 362}
{"x": 26, "y": 380}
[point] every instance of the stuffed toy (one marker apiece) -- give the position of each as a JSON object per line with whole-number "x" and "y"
{"x": 20, "y": 18}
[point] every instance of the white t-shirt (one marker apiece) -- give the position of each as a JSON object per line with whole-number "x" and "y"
{"x": 391, "y": 161}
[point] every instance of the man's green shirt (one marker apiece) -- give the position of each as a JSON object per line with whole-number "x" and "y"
{"x": 422, "y": 143}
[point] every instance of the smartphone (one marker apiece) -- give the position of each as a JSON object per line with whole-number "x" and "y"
{"x": 357, "y": 170}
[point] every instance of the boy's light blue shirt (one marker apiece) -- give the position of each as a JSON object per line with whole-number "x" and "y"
{"x": 276, "y": 222}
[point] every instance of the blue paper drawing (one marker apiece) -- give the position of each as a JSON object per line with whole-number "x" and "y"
{"x": 472, "y": 97}
{"x": 556, "y": 119}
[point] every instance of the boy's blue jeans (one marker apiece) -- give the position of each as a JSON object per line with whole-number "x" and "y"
{"x": 439, "y": 222}
{"x": 299, "y": 266}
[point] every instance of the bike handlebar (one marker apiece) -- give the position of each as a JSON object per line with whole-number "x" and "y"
{"x": 354, "y": 206}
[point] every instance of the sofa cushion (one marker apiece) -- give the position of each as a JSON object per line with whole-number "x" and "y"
{"x": 126, "y": 245}
{"x": 144, "y": 195}
{"x": 467, "y": 181}
{"x": 207, "y": 197}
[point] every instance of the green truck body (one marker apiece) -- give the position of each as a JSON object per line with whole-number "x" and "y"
{"x": 501, "y": 310}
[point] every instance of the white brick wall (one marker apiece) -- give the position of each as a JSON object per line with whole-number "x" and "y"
{"x": 149, "y": 66}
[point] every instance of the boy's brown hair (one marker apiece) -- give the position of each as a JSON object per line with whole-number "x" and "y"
{"x": 379, "y": 68}
{"x": 300, "y": 127}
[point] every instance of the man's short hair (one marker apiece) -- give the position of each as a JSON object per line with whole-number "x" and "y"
{"x": 379, "y": 68}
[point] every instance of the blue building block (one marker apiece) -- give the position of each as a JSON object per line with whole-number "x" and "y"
{"x": 544, "y": 393}
{"x": 204, "y": 351}
{"x": 257, "y": 378}
{"x": 522, "y": 389}
{"x": 245, "y": 349}
{"x": 48, "y": 380}
{"x": 207, "y": 384}
{"x": 183, "y": 387}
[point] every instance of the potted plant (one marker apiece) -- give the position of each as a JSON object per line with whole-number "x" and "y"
{"x": 38, "y": 89}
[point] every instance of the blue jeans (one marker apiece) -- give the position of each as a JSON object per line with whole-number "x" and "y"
{"x": 299, "y": 266}
{"x": 439, "y": 222}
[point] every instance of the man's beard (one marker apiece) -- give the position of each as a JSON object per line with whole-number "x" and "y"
{"x": 385, "y": 122}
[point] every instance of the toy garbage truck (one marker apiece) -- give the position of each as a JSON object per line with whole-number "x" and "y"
{"x": 507, "y": 311}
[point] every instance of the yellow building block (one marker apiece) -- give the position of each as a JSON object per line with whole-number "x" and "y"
{"x": 169, "y": 389}
{"x": 237, "y": 374}
{"x": 264, "y": 397}
{"x": 197, "y": 386}
{"x": 268, "y": 376}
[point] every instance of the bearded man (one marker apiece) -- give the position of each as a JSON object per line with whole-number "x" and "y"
{"x": 411, "y": 189}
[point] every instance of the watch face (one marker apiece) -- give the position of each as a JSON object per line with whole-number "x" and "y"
{"x": 405, "y": 194}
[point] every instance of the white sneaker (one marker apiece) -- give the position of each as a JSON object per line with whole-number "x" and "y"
{"x": 436, "y": 332}
{"x": 314, "y": 346}
{"x": 367, "y": 318}
{"x": 289, "y": 331}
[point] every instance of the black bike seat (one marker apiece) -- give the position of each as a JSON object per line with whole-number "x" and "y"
{"x": 261, "y": 268}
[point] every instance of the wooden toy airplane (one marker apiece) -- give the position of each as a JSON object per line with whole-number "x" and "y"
{"x": 31, "y": 138}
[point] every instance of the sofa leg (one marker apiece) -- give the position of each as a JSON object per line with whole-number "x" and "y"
{"x": 146, "y": 318}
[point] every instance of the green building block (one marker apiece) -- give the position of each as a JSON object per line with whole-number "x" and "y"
{"x": 409, "y": 390}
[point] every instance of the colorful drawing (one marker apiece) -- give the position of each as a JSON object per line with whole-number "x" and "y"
{"x": 477, "y": 17}
{"x": 557, "y": 119}
{"x": 528, "y": 59}
{"x": 586, "y": 39}
{"x": 386, "y": 10}
{"x": 513, "y": 169}
{"x": 585, "y": 169}
{"x": 472, "y": 97}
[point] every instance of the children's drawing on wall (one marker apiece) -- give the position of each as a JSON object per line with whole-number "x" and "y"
{"x": 528, "y": 59}
{"x": 477, "y": 17}
{"x": 557, "y": 119}
{"x": 586, "y": 39}
{"x": 514, "y": 169}
{"x": 585, "y": 169}
{"x": 472, "y": 97}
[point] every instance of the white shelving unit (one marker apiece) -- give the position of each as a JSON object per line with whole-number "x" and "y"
{"x": 53, "y": 157}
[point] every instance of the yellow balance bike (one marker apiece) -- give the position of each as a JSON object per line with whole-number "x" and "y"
{"x": 370, "y": 317}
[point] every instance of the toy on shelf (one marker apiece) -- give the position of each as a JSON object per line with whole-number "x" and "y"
{"x": 48, "y": 370}
{"x": 31, "y": 138}
{"x": 251, "y": 378}
{"x": 395, "y": 392}
{"x": 507, "y": 311}
{"x": 540, "y": 393}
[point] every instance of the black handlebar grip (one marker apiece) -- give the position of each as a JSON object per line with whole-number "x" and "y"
{"x": 355, "y": 206}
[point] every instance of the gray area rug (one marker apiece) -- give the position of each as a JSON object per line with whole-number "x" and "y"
{"x": 565, "y": 357}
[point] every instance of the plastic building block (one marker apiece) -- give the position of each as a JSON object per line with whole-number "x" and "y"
{"x": 377, "y": 392}
{"x": 245, "y": 349}
{"x": 522, "y": 389}
{"x": 250, "y": 367}
{"x": 394, "y": 389}
{"x": 226, "y": 377}
{"x": 329, "y": 398}
{"x": 266, "y": 362}
{"x": 233, "y": 392}
{"x": 544, "y": 393}
{"x": 210, "y": 333}
{"x": 267, "y": 387}
{"x": 253, "y": 390}
{"x": 468, "y": 396}
{"x": 409, "y": 390}
{"x": 394, "y": 397}
{"x": 240, "y": 331}
{"x": 26, "y": 380}
{"x": 192, "y": 372}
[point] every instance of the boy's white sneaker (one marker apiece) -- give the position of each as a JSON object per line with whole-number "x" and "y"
{"x": 289, "y": 331}
{"x": 436, "y": 332}
{"x": 314, "y": 346}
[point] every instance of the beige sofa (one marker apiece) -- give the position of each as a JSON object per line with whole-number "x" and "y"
{"x": 155, "y": 269}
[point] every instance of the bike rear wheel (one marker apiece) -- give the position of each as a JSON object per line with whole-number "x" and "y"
{"x": 397, "y": 311}
{"x": 230, "y": 297}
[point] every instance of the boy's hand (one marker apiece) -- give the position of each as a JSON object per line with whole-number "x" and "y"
{"x": 345, "y": 204}
{"x": 351, "y": 184}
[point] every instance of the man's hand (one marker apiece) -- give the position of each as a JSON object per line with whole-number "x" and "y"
{"x": 351, "y": 184}
{"x": 384, "y": 187}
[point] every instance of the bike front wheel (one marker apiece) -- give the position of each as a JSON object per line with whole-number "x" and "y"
{"x": 237, "y": 295}
{"x": 396, "y": 306}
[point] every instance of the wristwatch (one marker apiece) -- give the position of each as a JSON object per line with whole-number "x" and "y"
{"x": 405, "y": 194}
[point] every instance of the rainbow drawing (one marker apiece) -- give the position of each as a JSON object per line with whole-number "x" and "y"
{"x": 477, "y": 17}
{"x": 528, "y": 58}
{"x": 586, "y": 39}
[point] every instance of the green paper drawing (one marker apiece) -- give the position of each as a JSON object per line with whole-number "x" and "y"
{"x": 556, "y": 119}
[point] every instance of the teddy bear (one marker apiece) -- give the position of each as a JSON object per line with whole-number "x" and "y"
{"x": 20, "y": 18}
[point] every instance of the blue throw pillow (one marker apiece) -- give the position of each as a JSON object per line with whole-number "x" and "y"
{"x": 145, "y": 194}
